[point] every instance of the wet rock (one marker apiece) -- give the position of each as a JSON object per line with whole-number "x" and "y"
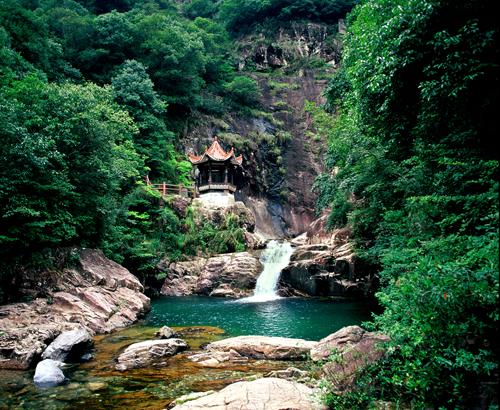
{"x": 69, "y": 346}
{"x": 218, "y": 359}
{"x": 254, "y": 241}
{"x": 267, "y": 393}
{"x": 225, "y": 290}
{"x": 86, "y": 357}
{"x": 166, "y": 333}
{"x": 233, "y": 274}
{"x": 264, "y": 347}
{"x": 149, "y": 352}
{"x": 98, "y": 294}
{"x": 353, "y": 348}
{"x": 48, "y": 373}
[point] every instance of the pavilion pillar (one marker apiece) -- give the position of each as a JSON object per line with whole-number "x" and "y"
{"x": 209, "y": 173}
{"x": 226, "y": 190}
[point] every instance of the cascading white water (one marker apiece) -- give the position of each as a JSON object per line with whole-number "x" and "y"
{"x": 275, "y": 258}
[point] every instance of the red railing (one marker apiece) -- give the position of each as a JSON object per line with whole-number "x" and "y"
{"x": 173, "y": 189}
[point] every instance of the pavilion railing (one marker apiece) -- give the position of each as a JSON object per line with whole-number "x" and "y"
{"x": 173, "y": 189}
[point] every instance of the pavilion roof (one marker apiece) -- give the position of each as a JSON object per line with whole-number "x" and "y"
{"x": 216, "y": 153}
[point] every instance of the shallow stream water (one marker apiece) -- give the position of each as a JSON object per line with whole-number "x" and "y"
{"x": 96, "y": 385}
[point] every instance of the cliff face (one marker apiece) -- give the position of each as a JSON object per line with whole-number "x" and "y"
{"x": 96, "y": 294}
{"x": 290, "y": 46}
{"x": 282, "y": 153}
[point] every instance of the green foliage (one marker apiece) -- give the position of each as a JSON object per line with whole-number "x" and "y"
{"x": 243, "y": 90}
{"x": 67, "y": 153}
{"x": 200, "y": 8}
{"x": 204, "y": 237}
{"x": 73, "y": 151}
{"x": 239, "y": 15}
{"x": 413, "y": 171}
{"x": 144, "y": 231}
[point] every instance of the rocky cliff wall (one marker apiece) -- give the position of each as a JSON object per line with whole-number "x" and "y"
{"x": 96, "y": 294}
{"x": 282, "y": 154}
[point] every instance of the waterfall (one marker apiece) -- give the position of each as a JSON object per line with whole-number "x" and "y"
{"x": 275, "y": 258}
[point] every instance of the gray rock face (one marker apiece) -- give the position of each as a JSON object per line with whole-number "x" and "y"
{"x": 232, "y": 275}
{"x": 324, "y": 264}
{"x": 264, "y": 347}
{"x": 149, "y": 352}
{"x": 98, "y": 294}
{"x": 69, "y": 346}
{"x": 48, "y": 373}
{"x": 353, "y": 348}
{"x": 262, "y": 394}
{"x": 166, "y": 333}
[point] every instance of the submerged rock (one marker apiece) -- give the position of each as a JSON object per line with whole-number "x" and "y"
{"x": 149, "y": 352}
{"x": 264, "y": 347}
{"x": 96, "y": 386}
{"x": 70, "y": 345}
{"x": 267, "y": 393}
{"x": 48, "y": 373}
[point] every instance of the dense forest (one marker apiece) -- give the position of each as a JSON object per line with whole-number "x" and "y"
{"x": 414, "y": 171}
{"x": 95, "y": 95}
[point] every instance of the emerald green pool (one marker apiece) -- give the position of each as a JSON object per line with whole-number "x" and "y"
{"x": 199, "y": 320}
{"x": 310, "y": 319}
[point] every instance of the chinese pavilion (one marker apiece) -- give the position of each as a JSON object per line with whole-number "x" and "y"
{"x": 216, "y": 173}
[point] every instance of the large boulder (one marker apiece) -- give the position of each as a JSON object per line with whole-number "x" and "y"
{"x": 48, "y": 373}
{"x": 149, "y": 352}
{"x": 69, "y": 346}
{"x": 264, "y": 347}
{"x": 268, "y": 393}
{"x": 324, "y": 264}
{"x": 351, "y": 348}
{"x": 231, "y": 274}
{"x": 96, "y": 293}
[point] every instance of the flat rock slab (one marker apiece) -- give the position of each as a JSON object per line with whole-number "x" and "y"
{"x": 149, "y": 352}
{"x": 262, "y": 394}
{"x": 265, "y": 347}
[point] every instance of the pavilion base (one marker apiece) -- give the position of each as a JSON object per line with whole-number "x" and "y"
{"x": 215, "y": 199}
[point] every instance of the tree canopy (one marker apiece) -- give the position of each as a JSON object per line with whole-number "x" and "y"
{"x": 415, "y": 174}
